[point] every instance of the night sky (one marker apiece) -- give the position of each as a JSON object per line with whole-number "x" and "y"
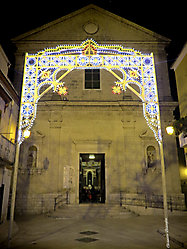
{"x": 168, "y": 20}
{"x": 162, "y": 17}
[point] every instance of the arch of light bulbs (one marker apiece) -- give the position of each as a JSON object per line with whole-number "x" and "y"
{"x": 42, "y": 68}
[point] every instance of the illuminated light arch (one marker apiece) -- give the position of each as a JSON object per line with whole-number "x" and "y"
{"x": 42, "y": 68}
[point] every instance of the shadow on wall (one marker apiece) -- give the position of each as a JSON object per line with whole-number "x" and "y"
{"x": 46, "y": 163}
{"x": 148, "y": 177}
{"x": 28, "y": 169}
{"x": 148, "y": 180}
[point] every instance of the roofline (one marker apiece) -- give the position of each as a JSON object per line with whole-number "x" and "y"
{"x": 93, "y": 6}
{"x": 4, "y": 55}
{"x": 180, "y": 57}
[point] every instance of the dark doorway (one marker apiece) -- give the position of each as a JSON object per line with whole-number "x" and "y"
{"x": 92, "y": 178}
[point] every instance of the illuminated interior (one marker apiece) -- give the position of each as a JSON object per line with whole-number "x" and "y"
{"x": 92, "y": 178}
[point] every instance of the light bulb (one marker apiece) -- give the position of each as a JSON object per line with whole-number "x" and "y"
{"x": 26, "y": 133}
{"x": 170, "y": 130}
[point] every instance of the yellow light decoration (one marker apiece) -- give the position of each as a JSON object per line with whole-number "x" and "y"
{"x": 42, "y": 69}
{"x": 45, "y": 75}
{"x": 62, "y": 90}
{"x": 133, "y": 74}
{"x": 136, "y": 68}
{"x": 116, "y": 89}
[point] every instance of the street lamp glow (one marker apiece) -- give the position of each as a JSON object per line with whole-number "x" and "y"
{"x": 170, "y": 130}
{"x": 185, "y": 172}
{"x": 26, "y": 133}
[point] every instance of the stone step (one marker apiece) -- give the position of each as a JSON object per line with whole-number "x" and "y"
{"x": 91, "y": 211}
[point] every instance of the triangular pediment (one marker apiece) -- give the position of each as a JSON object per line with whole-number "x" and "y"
{"x": 91, "y": 21}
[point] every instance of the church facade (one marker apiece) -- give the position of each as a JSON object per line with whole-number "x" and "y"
{"x": 87, "y": 144}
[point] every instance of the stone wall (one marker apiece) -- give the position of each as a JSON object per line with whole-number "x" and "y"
{"x": 37, "y": 203}
{"x": 175, "y": 202}
{"x": 63, "y": 130}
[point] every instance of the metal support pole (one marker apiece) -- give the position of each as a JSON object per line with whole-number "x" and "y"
{"x": 164, "y": 194}
{"x": 164, "y": 190}
{"x": 13, "y": 198}
{"x": 15, "y": 173}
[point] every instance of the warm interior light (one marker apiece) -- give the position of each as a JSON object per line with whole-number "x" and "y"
{"x": 26, "y": 133}
{"x": 91, "y": 156}
{"x": 170, "y": 130}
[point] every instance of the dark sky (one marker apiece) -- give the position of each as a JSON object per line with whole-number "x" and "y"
{"x": 166, "y": 19}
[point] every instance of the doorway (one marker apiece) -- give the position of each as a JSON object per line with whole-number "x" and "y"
{"x": 92, "y": 178}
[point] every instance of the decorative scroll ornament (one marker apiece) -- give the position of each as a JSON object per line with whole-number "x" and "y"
{"x": 44, "y": 67}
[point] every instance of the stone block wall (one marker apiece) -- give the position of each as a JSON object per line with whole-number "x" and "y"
{"x": 35, "y": 203}
{"x": 175, "y": 202}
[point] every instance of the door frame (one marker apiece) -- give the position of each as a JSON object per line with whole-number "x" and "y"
{"x": 102, "y": 172}
{"x": 94, "y": 147}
